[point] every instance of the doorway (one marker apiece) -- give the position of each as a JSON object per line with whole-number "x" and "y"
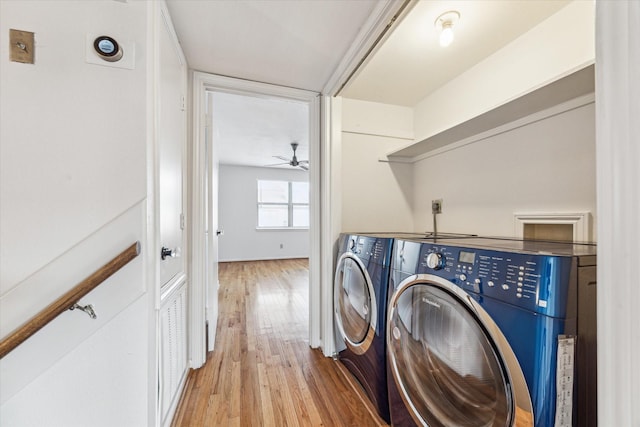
{"x": 264, "y": 184}
{"x": 204, "y": 283}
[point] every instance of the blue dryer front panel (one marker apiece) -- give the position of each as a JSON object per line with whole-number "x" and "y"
{"x": 538, "y": 283}
{"x": 527, "y": 296}
{"x": 534, "y": 340}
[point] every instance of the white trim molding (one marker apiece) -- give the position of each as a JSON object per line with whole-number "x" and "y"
{"x": 331, "y": 222}
{"x": 581, "y": 222}
{"x": 618, "y": 203}
{"x": 201, "y": 84}
{"x": 384, "y": 15}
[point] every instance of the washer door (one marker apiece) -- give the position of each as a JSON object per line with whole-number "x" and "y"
{"x": 354, "y": 303}
{"x": 450, "y": 362}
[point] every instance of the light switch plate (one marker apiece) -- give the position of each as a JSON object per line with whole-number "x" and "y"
{"x": 21, "y": 46}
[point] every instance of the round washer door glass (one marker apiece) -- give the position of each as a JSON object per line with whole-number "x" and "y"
{"x": 352, "y": 299}
{"x": 445, "y": 366}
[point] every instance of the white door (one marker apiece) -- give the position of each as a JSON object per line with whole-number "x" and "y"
{"x": 171, "y": 141}
{"x": 212, "y": 232}
{"x": 171, "y": 138}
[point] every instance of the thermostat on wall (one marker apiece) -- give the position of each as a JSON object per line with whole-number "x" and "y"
{"x": 107, "y": 48}
{"x": 107, "y": 51}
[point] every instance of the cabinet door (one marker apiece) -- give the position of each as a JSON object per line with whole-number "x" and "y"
{"x": 173, "y": 351}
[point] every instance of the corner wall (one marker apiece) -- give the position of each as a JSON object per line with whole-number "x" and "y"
{"x": 376, "y": 195}
{"x": 618, "y": 151}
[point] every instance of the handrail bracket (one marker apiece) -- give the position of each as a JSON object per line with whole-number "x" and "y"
{"x": 86, "y": 308}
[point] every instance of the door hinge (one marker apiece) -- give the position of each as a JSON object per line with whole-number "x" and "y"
{"x": 183, "y": 104}
{"x": 181, "y": 221}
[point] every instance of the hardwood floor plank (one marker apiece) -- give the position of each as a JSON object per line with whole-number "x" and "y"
{"x": 262, "y": 371}
{"x": 307, "y": 410}
{"x": 266, "y": 414}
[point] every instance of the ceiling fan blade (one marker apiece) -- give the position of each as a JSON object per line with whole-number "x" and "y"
{"x": 282, "y": 158}
{"x": 303, "y": 161}
{"x": 277, "y": 164}
{"x": 303, "y": 167}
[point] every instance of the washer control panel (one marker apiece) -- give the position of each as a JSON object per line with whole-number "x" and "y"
{"x": 537, "y": 282}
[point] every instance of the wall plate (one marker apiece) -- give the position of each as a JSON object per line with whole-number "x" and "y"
{"x": 128, "y": 53}
{"x": 22, "y": 46}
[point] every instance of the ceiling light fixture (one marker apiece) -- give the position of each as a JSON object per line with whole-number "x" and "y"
{"x": 444, "y": 23}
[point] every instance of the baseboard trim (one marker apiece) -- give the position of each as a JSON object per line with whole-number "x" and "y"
{"x": 265, "y": 259}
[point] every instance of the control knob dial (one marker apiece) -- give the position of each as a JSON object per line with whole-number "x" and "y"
{"x": 435, "y": 260}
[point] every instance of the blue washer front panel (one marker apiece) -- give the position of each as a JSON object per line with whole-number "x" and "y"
{"x": 370, "y": 368}
{"x": 375, "y": 254}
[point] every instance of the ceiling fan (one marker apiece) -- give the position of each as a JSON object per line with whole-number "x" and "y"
{"x": 302, "y": 164}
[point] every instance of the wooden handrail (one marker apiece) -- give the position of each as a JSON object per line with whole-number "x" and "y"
{"x": 66, "y": 301}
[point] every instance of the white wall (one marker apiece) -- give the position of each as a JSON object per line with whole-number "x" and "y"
{"x": 73, "y": 147}
{"x": 238, "y": 210}
{"x": 376, "y": 196}
{"x": 558, "y": 46}
{"x": 83, "y": 161}
{"x": 546, "y": 166}
{"x": 103, "y": 382}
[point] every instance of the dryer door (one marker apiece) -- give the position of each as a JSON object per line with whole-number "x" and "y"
{"x": 354, "y": 303}
{"x": 450, "y": 362}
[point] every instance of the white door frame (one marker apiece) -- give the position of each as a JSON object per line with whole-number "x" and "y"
{"x": 203, "y": 83}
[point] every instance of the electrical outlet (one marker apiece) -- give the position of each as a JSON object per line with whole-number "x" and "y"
{"x": 281, "y": 245}
{"x": 436, "y": 206}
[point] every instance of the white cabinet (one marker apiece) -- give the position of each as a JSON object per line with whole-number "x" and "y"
{"x": 173, "y": 350}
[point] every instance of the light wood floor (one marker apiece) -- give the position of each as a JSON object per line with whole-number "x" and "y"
{"x": 263, "y": 372}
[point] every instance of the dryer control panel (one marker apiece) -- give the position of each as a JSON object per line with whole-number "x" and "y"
{"x": 368, "y": 249}
{"x": 535, "y": 282}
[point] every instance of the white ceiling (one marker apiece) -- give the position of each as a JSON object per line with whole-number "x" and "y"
{"x": 411, "y": 64}
{"x": 251, "y": 130}
{"x": 290, "y": 43}
{"x": 300, "y": 44}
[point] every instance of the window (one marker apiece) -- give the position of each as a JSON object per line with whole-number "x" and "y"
{"x": 283, "y": 204}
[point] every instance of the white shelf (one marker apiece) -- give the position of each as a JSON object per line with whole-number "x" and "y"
{"x": 570, "y": 87}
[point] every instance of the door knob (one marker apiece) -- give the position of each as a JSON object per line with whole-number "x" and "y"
{"x": 168, "y": 252}
{"x": 219, "y": 232}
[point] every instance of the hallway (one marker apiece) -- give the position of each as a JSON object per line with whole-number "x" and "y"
{"x": 263, "y": 372}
